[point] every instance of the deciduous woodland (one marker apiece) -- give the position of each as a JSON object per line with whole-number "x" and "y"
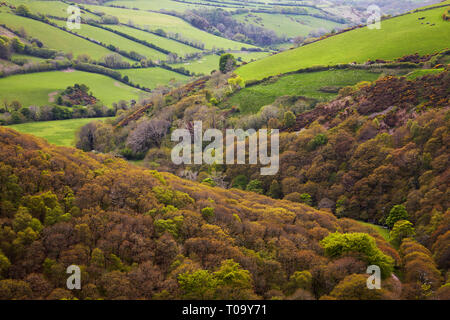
{"x": 142, "y": 234}
{"x": 363, "y": 180}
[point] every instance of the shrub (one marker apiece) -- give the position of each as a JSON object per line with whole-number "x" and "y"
{"x": 255, "y": 186}
{"x": 208, "y": 213}
{"x": 239, "y": 182}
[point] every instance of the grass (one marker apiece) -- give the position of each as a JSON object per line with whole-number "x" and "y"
{"x": 61, "y": 132}
{"x": 27, "y": 57}
{"x": 422, "y": 72}
{"x": 36, "y": 88}
{"x": 169, "y": 24}
{"x": 154, "y": 5}
{"x": 251, "y": 99}
{"x": 397, "y": 37}
{"x": 118, "y": 41}
{"x": 168, "y": 44}
{"x": 288, "y": 25}
{"x": 204, "y": 66}
{"x": 248, "y": 56}
{"x": 382, "y": 231}
{"x": 53, "y": 8}
{"x": 53, "y": 37}
{"x": 153, "y": 77}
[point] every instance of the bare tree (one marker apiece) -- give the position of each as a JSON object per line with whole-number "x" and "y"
{"x": 148, "y": 133}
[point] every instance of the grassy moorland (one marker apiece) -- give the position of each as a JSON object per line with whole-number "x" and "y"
{"x": 60, "y": 133}
{"x": 397, "y": 37}
{"x": 153, "y": 77}
{"x": 251, "y": 99}
{"x": 39, "y": 88}
{"x": 54, "y": 38}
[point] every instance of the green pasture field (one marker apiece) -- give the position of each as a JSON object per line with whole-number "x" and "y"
{"x": 118, "y": 41}
{"x": 202, "y": 66}
{"x": 60, "y": 132}
{"x": 397, "y": 37}
{"x": 153, "y": 77}
{"x": 288, "y": 25}
{"x": 248, "y": 56}
{"x": 54, "y": 38}
{"x": 169, "y": 24}
{"x": 39, "y": 88}
{"x": 27, "y": 57}
{"x": 171, "y": 45}
{"x": 422, "y": 72}
{"x": 251, "y": 99}
{"x": 49, "y": 7}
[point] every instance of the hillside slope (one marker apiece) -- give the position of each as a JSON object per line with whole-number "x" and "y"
{"x": 138, "y": 233}
{"x": 399, "y": 36}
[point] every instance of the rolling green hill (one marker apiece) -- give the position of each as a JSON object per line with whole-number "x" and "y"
{"x": 54, "y": 38}
{"x": 397, "y": 37}
{"x": 171, "y": 45}
{"x": 288, "y": 25}
{"x": 50, "y": 7}
{"x": 110, "y": 38}
{"x": 39, "y": 88}
{"x": 169, "y": 24}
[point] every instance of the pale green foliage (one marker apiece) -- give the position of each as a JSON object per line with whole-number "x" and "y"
{"x": 338, "y": 244}
{"x": 397, "y": 213}
{"x": 402, "y": 229}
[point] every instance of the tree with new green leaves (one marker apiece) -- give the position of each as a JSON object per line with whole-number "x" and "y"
{"x": 299, "y": 280}
{"x": 239, "y": 182}
{"x": 354, "y": 287}
{"x": 233, "y": 282}
{"x": 255, "y": 186}
{"x": 98, "y": 258}
{"x": 227, "y": 63}
{"x": 17, "y": 45}
{"x": 4, "y": 264}
{"x": 236, "y": 82}
{"x": 23, "y": 10}
{"x": 338, "y": 244}
{"x": 5, "y": 48}
{"x": 306, "y": 199}
{"x": 198, "y": 285}
{"x": 171, "y": 226}
{"x": 402, "y": 229}
{"x": 23, "y": 220}
{"x": 56, "y": 215}
{"x": 289, "y": 119}
{"x": 275, "y": 190}
{"x": 319, "y": 140}
{"x": 398, "y": 212}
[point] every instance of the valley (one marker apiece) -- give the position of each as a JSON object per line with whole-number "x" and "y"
{"x": 359, "y": 121}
